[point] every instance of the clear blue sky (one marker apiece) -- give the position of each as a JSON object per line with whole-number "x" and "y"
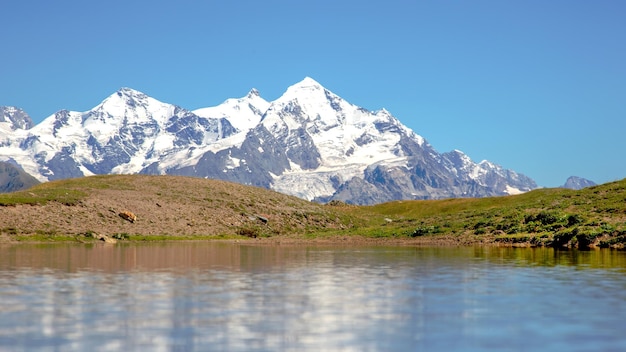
{"x": 536, "y": 86}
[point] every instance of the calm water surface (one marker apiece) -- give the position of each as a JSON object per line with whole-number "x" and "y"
{"x": 236, "y": 297}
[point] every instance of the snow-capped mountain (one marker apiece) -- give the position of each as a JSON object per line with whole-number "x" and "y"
{"x": 126, "y": 133}
{"x": 309, "y": 142}
{"x": 12, "y": 118}
{"x": 243, "y": 113}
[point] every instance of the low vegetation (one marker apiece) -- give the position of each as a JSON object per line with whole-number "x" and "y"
{"x": 169, "y": 207}
{"x": 594, "y": 216}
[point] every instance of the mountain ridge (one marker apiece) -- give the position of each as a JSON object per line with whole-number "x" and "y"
{"x": 13, "y": 178}
{"x": 309, "y": 142}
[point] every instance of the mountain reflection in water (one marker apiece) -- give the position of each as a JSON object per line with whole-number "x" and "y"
{"x": 225, "y": 296}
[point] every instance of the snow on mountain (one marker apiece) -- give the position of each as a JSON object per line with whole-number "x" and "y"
{"x": 243, "y": 113}
{"x": 309, "y": 142}
{"x": 329, "y": 140}
{"x": 126, "y": 133}
{"x": 14, "y": 126}
{"x": 343, "y": 133}
{"x": 13, "y": 118}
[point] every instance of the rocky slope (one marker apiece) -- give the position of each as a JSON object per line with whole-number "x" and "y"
{"x": 575, "y": 182}
{"x": 12, "y": 178}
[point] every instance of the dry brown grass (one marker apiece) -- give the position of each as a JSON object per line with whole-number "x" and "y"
{"x": 165, "y": 206}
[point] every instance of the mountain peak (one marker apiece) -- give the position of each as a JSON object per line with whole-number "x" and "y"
{"x": 307, "y": 83}
{"x": 383, "y": 112}
{"x": 575, "y": 182}
{"x": 253, "y": 93}
{"x": 123, "y": 97}
{"x": 307, "y": 89}
{"x": 125, "y": 91}
{"x": 17, "y": 117}
{"x": 126, "y": 105}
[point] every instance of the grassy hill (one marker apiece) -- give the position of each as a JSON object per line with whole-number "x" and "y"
{"x": 544, "y": 217}
{"x": 166, "y": 207}
{"x": 172, "y": 207}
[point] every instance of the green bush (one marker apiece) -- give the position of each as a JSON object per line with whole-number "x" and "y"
{"x": 544, "y": 217}
{"x": 480, "y": 231}
{"x": 574, "y": 220}
{"x": 121, "y": 236}
{"x": 251, "y": 232}
{"x": 563, "y": 237}
{"x": 585, "y": 238}
{"x": 619, "y": 240}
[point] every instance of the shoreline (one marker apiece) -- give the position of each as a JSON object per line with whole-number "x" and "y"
{"x": 293, "y": 240}
{"x": 338, "y": 239}
{"x": 141, "y": 208}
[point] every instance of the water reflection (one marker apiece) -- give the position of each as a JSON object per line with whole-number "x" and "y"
{"x": 221, "y": 296}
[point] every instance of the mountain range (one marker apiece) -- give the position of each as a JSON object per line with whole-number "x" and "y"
{"x": 309, "y": 143}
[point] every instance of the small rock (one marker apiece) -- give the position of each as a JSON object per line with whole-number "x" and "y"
{"x": 107, "y": 239}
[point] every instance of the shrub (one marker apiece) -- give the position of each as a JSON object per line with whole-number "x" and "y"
{"x": 619, "y": 240}
{"x": 424, "y": 230}
{"x": 574, "y": 220}
{"x": 251, "y": 232}
{"x": 481, "y": 224}
{"x": 10, "y": 230}
{"x": 546, "y": 218}
{"x": 480, "y": 231}
{"x": 563, "y": 237}
{"x": 121, "y": 236}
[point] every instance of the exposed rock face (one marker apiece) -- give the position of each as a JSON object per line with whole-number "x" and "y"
{"x": 13, "y": 178}
{"x": 309, "y": 143}
{"x": 15, "y": 118}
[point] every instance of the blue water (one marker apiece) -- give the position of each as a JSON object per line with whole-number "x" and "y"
{"x": 234, "y": 297}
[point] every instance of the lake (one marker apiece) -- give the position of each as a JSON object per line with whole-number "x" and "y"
{"x": 198, "y": 296}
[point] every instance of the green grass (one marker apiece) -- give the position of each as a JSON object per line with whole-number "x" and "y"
{"x": 43, "y": 237}
{"x": 42, "y": 195}
{"x": 543, "y": 216}
{"x": 67, "y": 191}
